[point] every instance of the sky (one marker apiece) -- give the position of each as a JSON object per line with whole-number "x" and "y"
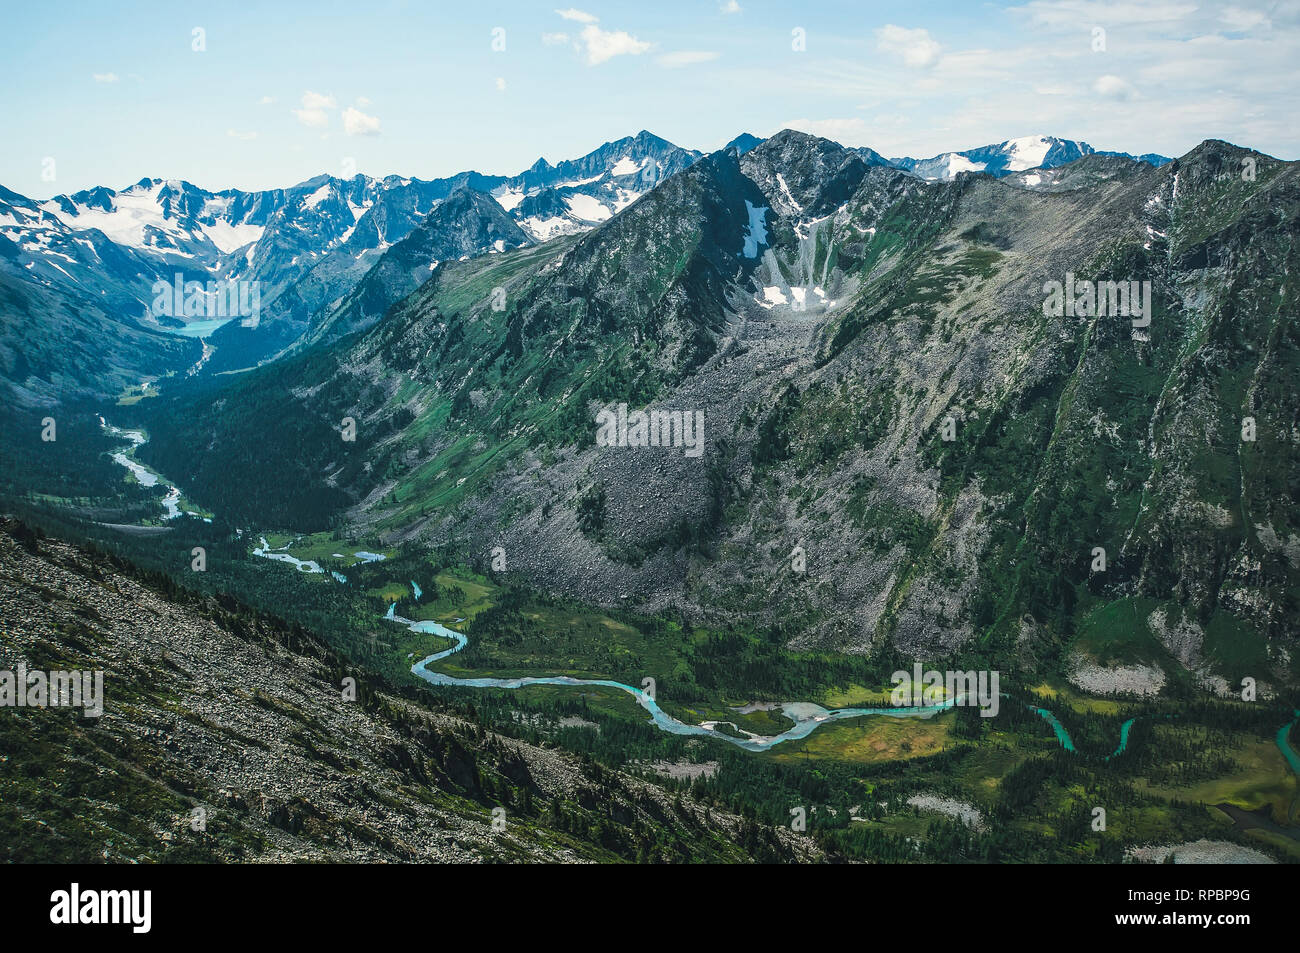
{"x": 254, "y": 96}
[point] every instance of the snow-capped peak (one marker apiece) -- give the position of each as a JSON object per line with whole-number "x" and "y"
{"x": 1027, "y": 152}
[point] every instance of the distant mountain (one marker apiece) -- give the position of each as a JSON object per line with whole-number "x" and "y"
{"x": 872, "y": 157}
{"x": 465, "y": 224}
{"x": 85, "y": 262}
{"x": 278, "y": 236}
{"x": 71, "y": 307}
{"x": 577, "y": 194}
{"x": 308, "y": 246}
{"x": 1013, "y": 155}
{"x": 58, "y": 344}
{"x": 310, "y": 260}
{"x": 170, "y": 218}
{"x": 545, "y": 201}
{"x": 743, "y": 143}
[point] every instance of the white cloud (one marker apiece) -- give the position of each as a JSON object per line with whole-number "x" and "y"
{"x": 686, "y": 58}
{"x": 731, "y": 6}
{"x": 265, "y": 101}
{"x": 357, "y": 123}
{"x": 312, "y": 100}
{"x": 233, "y": 134}
{"x": 313, "y": 109}
{"x": 602, "y": 45}
{"x": 363, "y": 101}
{"x": 1238, "y": 20}
{"x": 501, "y": 84}
{"x": 1113, "y": 87}
{"x": 598, "y": 45}
{"x": 916, "y": 47}
{"x": 105, "y": 77}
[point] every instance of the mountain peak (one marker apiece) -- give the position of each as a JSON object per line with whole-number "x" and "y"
{"x": 794, "y": 135}
{"x": 743, "y": 143}
{"x": 802, "y": 174}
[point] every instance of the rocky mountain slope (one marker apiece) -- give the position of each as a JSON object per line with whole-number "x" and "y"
{"x": 227, "y": 736}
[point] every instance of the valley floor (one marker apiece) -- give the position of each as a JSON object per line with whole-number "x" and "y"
{"x": 246, "y": 717}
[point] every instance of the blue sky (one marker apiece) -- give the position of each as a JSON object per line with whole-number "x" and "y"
{"x": 113, "y": 92}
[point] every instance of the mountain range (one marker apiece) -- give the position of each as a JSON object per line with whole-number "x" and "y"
{"x": 889, "y": 402}
{"x": 97, "y": 253}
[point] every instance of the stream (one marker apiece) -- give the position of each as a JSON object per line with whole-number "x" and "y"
{"x": 144, "y": 476}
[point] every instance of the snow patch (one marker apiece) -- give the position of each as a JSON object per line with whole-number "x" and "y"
{"x": 626, "y": 166}
{"x": 508, "y": 198}
{"x": 228, "y": 237}
{"x": 320, "y": 195}
{"x": 587, "y": 208}
{"x": 577, "y": 182}
{"x": 1027, "y": 152}
{"x": 130, "y": 213}
{"x": 785, "y": 191}
{"x": 959, "y": 163}
{"x": 544, "y": 229}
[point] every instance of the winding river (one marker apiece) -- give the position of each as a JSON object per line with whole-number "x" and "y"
{"x": 805, "y": 715}
{"x": 145, "y": 476}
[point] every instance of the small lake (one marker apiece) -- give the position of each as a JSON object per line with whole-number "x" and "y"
{"x": 199, "y": 329}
